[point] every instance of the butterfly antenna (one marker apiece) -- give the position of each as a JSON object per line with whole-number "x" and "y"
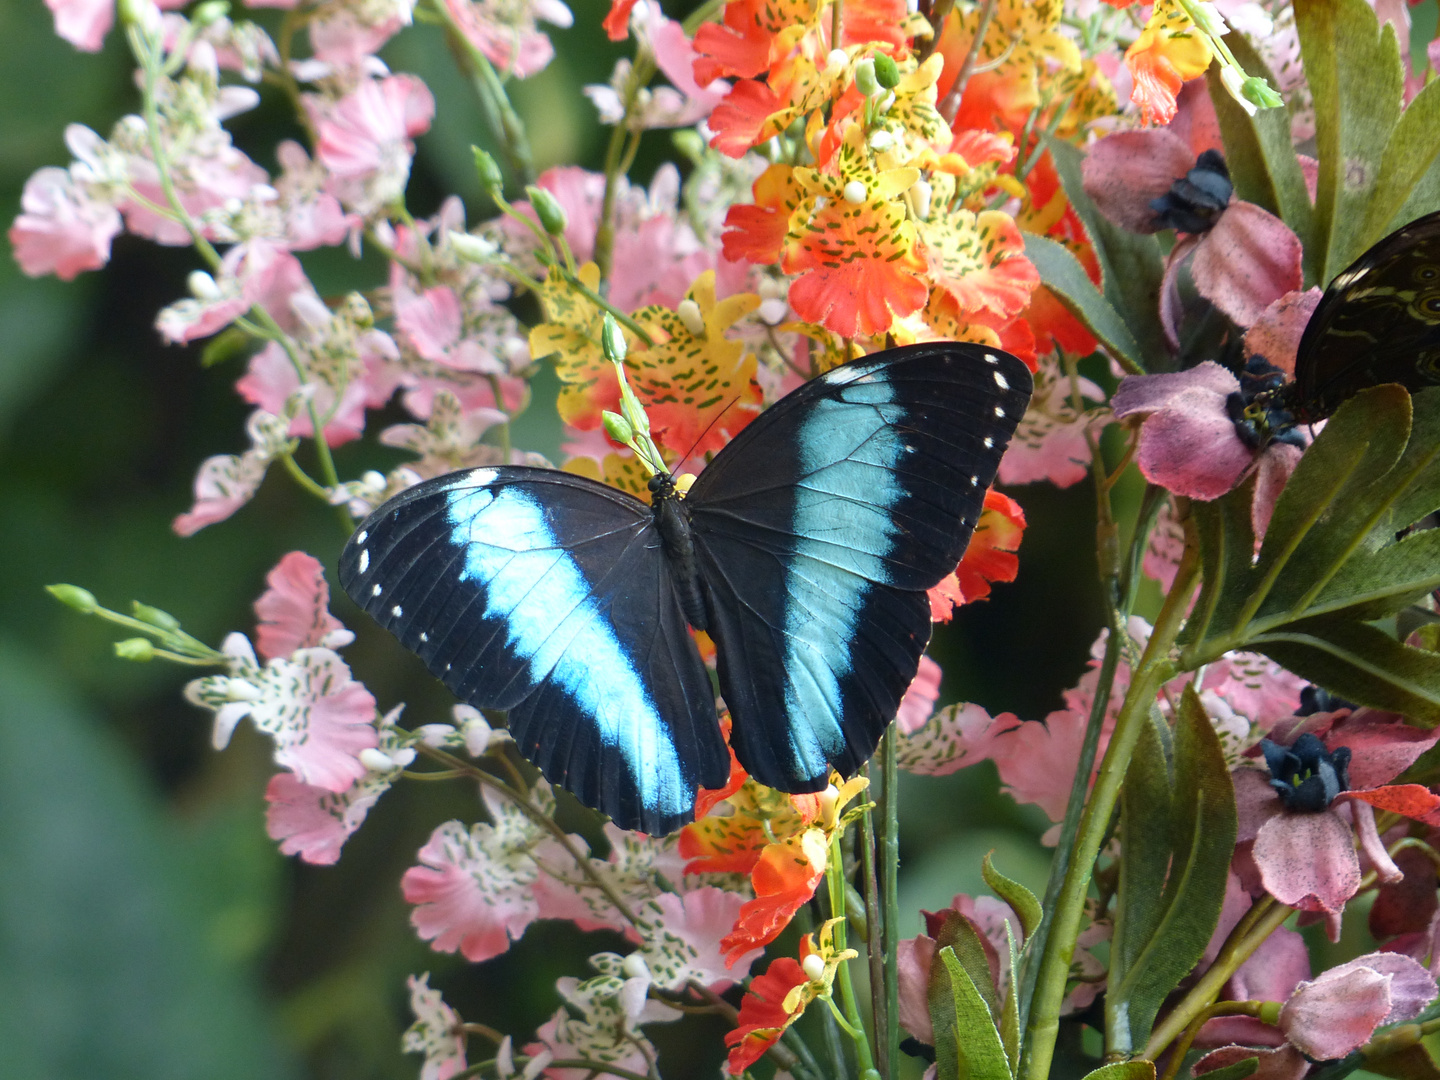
{"x": 718, "y": 417}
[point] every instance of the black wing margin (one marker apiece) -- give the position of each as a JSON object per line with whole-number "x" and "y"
{"x": 820, "y": 528}
{"x": 549, "y": 595}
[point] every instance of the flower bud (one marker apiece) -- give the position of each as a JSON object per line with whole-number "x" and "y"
{"x": 612, "y": 340}
{"x": 920, "y": 193}
{"x": 473, "y": 249}
{"x": 1234, "y": 81}
{"x": 357, "y": 310}
{"x": 886, "y": 73}
{"x": 1259, "y": 91}
{"x": 154, "y": 616}
{"x": 865, "y": 80}
{"x": 814, "y": 967}
{"x": 82, "y": 600}
{"x": 835, "y": 62}
{"x": 617, "y": 427}
{"x": 547, "y": 209}
{"x": 137, "y": 648}
{"x": 881, "y": 140}
{"x": 376, "y": 760}
{"x": 689, "y": 143}
{"x": 491, "y": 178}
{"x": 856, "y": 193}
{"x": 202, "y": 286}
{"x": 829, "y": 802}
{"x": 435, "y": 735}
{"x": 212, "y": 11}
{"x": 690, "y": 315}
{"x": 634, "y": 967}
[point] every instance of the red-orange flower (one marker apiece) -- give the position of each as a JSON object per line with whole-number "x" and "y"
{"x": 755, "y": 233}
{"x": 989, "y": 557}
{"x": 763, "y": 1017}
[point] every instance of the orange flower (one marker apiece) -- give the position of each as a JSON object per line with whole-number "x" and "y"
{"x": 989, "y": 557}
{"x": 858, "y": 261}
{"x": 755, "y": 233}
{"x": 978, "y": 261}
{"x": 733, "y": 843}
{"x": 1169, "y": 51}
{"x": 697, "y": 386}
{"x": 617, "y": 20}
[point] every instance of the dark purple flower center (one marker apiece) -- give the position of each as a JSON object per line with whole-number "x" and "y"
{"x": 1258, "y": 409}
{"x": 1195, "y": 201}
{"x": 1315, "y": 699}
{"x": 1307, "y": 776}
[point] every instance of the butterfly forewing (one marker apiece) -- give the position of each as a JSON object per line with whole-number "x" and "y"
{"x": 549, "y": 595}
{"x": 1378, "y": 322}
{"x": 819, "y": 530}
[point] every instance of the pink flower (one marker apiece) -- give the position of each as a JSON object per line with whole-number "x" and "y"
{"x": 437, "y": 1033}
{"x": 315, "y": 823}
{"x": 227, "y": 482}
{"x": 633, "y": 865}
{"x": 1190, "y": 443}
{"x": 313, "y": 216}
{"x": 1339, "y": 1011}
{"x": 62, "y": 229}
{"x": 293, "y": 610}
{"x": 682, "y": 104}
{"x": 84, "y": 23}
{"x": 1050, "y": 443}
{"x": 1244, "y": 258}
{"x": 345, "y": 37}
{"x": 319, "y": 717}
{"x": 505, "y": 31}
{"x": 596, "y": 1027}
{"x": 473, "y": 891}
{"x": 683, "y": 942}
{"x": 257, "y": 272}
{"x": 1286, "y": 1063}
{"x": 1304, "y": 846}
{"x": 365, "y": 139}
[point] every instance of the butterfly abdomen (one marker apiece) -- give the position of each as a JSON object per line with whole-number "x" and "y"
{"x": 673, "y": 524}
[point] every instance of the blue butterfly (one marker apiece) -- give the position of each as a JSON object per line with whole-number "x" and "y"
{"x": 804, "y": 549}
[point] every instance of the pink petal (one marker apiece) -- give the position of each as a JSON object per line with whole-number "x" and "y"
{"x": 1255, "y": 802}
{"x": 224, "y": 483}
{"x": 1382, "y": 746}
{"x": 919, "y": 700}
{"x": 1370, "y": 843}
{"x": 61, "y": 230}
{"x": 700, "y": 919}
{"x": 1308, "y": 860}
{"x": 1409, "y": 905}
{"x": 1123, "y": 172}
{"x": 1151, "y": 393}
{"x": 1195, "y": 120}
{"x": 312, "y": 822}
{"x": 1286, "y": 1063}
{"x": 914, "y": 959}
{"x": 1246, "y": 262}
{"x": 1192, "y": 448}
{"x": 1276, "y": 334}
{"x": 1339, "y": 1011}
{"x": 430, "y": 320}
{"x": 1273, "y": 469}
{"x": 331, "y": 720}
{"x": 83, "y": 23}
{"x": 472, "y": 891}
{"x": 293, "y": 611}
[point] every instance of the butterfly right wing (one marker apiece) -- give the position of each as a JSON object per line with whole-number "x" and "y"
{"x": 549, "y": 595}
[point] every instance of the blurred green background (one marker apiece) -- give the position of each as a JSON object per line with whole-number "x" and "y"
{"x": 148, "y": 928}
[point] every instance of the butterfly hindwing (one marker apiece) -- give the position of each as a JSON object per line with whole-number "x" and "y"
{"x": 1378, "y": 322}
{"x": 819, "y": 530}
{"x": 549, "y": 595}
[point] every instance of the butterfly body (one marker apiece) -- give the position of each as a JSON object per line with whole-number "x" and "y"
{"x": 804, "y": 549}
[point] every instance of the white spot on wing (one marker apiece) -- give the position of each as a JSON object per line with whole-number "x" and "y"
{"x": 375, "y": 589}
{"x": 989, "y": 443}
{"x": 991, "y": 358}
{"x": 396, "y": 611}
{"x": 1000, "y": 381}
{"x": 364, "y": 559}
{"x": 999, "y": 413}
{"x": 362, "y": 536}
{"x": 482, "y": 477}
{"x": 424, "y": 636}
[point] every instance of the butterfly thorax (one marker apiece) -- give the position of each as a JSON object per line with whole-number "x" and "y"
{"x": 672, "y": 521}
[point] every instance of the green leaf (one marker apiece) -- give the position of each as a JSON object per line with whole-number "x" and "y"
{"x": 1359, "y": 662}
{"x": 1010, "y": 1010}
{"x": 1126, "y": 1070}
{"x": 967, "y": 1045}
{"x": 1411, "y": 1063}
{"x": 1145, "y": 828}
{"x": 1373, "y": 586}
{"x": 1259, "y": 151}
{"x": 1063, "y": 275}
{"x": 1352, "y": 63}
{"x": 1131, "y": 264}
{"x": 1421, "y": 494}
{"x": 1021, "y": 900}
{"x": 1413, "y": 148}
{"x": 1168, "y": 929}
{"x": 975, "y": 954}
{"x": 1227, "y": 544}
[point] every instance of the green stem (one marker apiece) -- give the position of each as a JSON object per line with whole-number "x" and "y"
{"x": 500, "y": 116}
{"x": 641, "y": 72}
{"x": 1238, "y": 948}
{"x": 1153, "y": 670}
{"x": 854, "y": 1026}
{"x": 875, "y": 941}
{"x": 951, "y": 105}
{"x": 889, "y": 884}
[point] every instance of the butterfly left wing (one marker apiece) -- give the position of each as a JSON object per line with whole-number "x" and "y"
{"x": 549, "y": 595}
{"x": 820, "y": 528}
